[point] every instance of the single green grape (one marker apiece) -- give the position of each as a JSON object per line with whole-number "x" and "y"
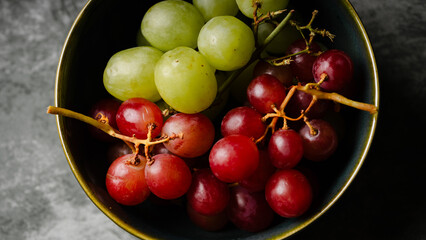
{"x": 130, "y": 73}
{"x": 246, "y": 6}
{"x": 226, "y": 42}
{"x": 172, "y": 23}
{"x": 185, "y": 80}
{"x": 213, "y": 8}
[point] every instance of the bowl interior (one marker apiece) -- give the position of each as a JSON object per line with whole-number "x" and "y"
{"x": 106, "y": 27}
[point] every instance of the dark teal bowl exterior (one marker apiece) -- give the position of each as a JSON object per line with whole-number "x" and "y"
{"x": 105, "y": 27}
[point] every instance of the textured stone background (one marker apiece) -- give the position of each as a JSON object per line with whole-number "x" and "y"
{"x": 40, "y": 198}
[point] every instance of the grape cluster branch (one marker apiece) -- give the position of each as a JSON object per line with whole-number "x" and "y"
{"x": 103, "y": 125}
{"x": 313, "y": 90}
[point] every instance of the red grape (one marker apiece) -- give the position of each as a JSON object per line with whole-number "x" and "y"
{"x": 116, "y": 150}
{"x": 301, "y": 65}
{"x": 159, "y": 149}
{"x": 265, "y": 91}
{"x": 168, "y": 177}
{"x": 321, "y": 145}
{"x": 234, "y": 158}
{"x": 301, "y": 100}
{"x": 338, "y": 67}
{"x": 136, "y": 114}
{"x": 285, "y": 148}
{"x": 282, "y": 73}
{"x": 207, "y": 194}
{"x": 198, "y": 134}
{"x": 249, "y": 210}
{"x": 108, "y": 108}
{"x": 289, "y": 193}
{"x": 257, "y": 181}
{"x": 209, "y": 223}
{"x": 245, "y": 121}
{"x": 126, "y": 182}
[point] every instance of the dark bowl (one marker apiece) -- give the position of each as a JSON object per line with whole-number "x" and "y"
{"x": 105, "y": 27}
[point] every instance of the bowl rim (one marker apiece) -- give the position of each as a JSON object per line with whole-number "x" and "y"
{"x": 374, "y": 118}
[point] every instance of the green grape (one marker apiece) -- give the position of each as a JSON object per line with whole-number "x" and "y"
{"x": 213, "y": 8}
{"x": 185, "y": 80}
{"x": 172, "y": 23}
{"x": 130, "y": 73}
{"x": 226, "y": 42}
{"x": 246, "y": 6}
{"x": 278, "y": 46}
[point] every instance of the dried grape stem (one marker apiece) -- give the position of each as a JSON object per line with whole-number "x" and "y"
{"x": 285, "y": 60}
{"x": 313, "y": 31}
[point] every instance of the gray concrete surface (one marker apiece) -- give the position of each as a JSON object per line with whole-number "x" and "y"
{"x": 40, "y": 198}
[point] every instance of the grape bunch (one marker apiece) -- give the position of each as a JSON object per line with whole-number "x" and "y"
{"x": 182, "y": 133}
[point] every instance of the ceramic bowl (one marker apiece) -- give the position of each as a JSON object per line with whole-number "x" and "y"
{"x": 105, "y": 27}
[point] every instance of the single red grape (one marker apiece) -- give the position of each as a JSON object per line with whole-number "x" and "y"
{"x": 234, "y": 158}
{"x": 207, "y": 194}
{"x": 338, "y": 68}
{"x": 136, "y": 114}
{"x": 197, "y": 130}
{"x": 285, "y": 148}
{"x": 209, "y": 223}
{"x": 289, "y": 193}
{"x": 116, "y": 150}
{"x": 244, "y": 121}
{"x": 265, "y": 91}
{"x": 301, "y": 100}
{"x": 282, "y": 73}
{"x": 168, "y": 177}
{"x": 106, "y": 108}
{"x": 301, "y": 65}
{"x": 249, "y": 210}
{"x": 159, "y": 149}
{"x": 125, "y": 181}
{"x": 322, "y": 144}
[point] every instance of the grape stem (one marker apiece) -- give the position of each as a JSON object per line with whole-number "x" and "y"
{"x": 101, "y": 125}
{"x": 259, "y": 19}
{"x": 312, "y": 89}
{"x": 313, "y": 131}
{"x": 312, "y": 31}
{"x": 337, "y": 98}
{"x": 285, "y": 60}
